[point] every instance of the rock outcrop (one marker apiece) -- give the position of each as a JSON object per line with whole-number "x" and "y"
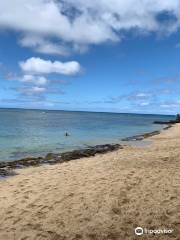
{"x": 141, "y": 137}
{"x": 53, "y": 158}
{"x": 177, "y": 120}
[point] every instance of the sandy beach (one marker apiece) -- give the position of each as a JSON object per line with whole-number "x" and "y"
{"x": 98, "y": 198}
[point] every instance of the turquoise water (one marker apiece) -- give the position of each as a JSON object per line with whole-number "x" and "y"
{"x": 36, "y": 132}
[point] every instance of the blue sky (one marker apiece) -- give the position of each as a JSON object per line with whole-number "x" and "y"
{"x": 115, "y": 56}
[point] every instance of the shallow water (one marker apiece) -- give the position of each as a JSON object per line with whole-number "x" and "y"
{"x": 36, "y": 132}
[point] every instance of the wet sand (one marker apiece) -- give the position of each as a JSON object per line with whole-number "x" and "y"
{"x": 97, "y": 198}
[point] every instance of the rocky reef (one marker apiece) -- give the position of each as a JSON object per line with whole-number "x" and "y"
{"x": 4, "y": 172}
{"x": 7, "y": 168}
{"x": 141, "y": 136}
{"x": 177, "y": 120}
{"x": 144, "y": 135}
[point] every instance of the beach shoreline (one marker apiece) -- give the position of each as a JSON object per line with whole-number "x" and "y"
{"x": 104, "y": 197}
{"x": 7, "y": 168}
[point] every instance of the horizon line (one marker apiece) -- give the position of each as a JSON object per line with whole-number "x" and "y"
{"x": 88, "y": 111}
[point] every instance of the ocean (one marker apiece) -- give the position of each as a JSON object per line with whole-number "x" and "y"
{"x": 25, "y": 133}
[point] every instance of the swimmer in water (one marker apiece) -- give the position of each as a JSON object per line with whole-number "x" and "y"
{"x": 67, "y": 134}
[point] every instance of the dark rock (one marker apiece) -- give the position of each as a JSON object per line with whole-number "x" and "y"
{"x": 177, "y": 120}
{"x": 133, "y": 138}
{"x": 3, "y": 164}
{"x": 25, "y": 162}
{"x": 50, "y": 156}
{"x": 88, "y": 152}
{"x": 146, "y": 135}
{"x": 169, "y": 126}
{"x": 141, "y": 137}
{"x": 7, "y": 173}
{"x": 165, "y": 122}
{"x": 53, "y": 158}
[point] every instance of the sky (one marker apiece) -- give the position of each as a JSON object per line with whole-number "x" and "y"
{"x": 88, "y": 55}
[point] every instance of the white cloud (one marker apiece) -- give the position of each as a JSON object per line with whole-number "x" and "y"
{"x": 144, "y": 103}
{"x": 37, "y": 80}
{"x": 31, "y": 90}
{"x": 41, "y": 45}
{"x": 51, "y": 48}
{"x": 38, "y": 89}
{"x": 40, "y": 66}
{"x": 170, "y": 105}
{"x": 81, "y": 23}
{"x": 142, "y": 95}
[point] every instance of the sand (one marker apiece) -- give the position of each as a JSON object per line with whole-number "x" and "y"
{"x": 98, "y": 198}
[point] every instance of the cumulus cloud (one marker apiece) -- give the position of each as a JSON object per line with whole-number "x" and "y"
{"x": 41, "y": 45}
{"x": 40, "y": 66}
{"x": 31, "y": 90}
{"x": 37, "y": 80}
{"x": 81, "y": 23}
{"x": 33, "y": 82}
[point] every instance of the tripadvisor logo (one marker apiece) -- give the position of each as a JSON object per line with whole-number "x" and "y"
{"x": 140, "y": 231}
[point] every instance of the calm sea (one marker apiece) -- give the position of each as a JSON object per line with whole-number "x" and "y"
{"x": 36, "y": 132}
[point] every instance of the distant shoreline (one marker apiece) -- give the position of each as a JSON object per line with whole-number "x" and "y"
{"x": 7, "y": 168}
{"x": 83, "y": 111}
